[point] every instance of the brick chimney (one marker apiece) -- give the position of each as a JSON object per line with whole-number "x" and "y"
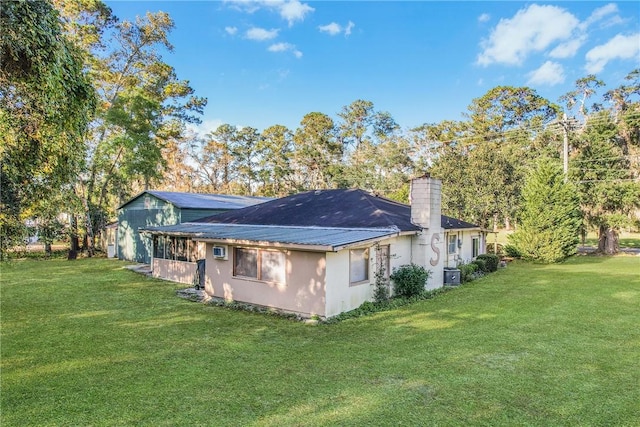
{"x": 425, "y": 198}
{"x": 426, "y": 212}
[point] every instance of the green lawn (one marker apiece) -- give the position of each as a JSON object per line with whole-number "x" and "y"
{"x": 88, "y": 343}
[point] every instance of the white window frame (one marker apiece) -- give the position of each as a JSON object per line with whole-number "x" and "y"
{"x": 475, "y": 246}
{"x": 358, "y": 255}
{"x": 452, "y": 242}
{"x": 280, "y": 272}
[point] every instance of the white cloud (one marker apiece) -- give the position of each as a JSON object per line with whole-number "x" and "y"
{"x": 485, "y": 17}
{"x": 285, "y": 47}
{"x": 550, "y": 74}
{"x": 294, "y": 11}
{"x": 599, "y": 14}
{"x": 619, "y": 47}
{"x": 532, "y": 29}
{"x": 291, "y": 10}
{"x": 231, "y": 30}
{"x": 334, "y": 28}
{"x": 568, "y": 49}
{"x": 261, "y": 34}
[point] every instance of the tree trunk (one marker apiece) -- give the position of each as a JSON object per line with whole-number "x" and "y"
{"x": 74, "y": 244}
{"x": 608, "y": 242}
{"x": 47, "y": 249}
{"x": 89, "y": 229}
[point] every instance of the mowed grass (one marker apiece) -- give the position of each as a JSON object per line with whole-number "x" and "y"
{"x": 627, "y": 239}
{"x": 89, "y": 343}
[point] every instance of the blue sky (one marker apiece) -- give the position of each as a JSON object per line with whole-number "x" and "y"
{"x": 262, "y": 63}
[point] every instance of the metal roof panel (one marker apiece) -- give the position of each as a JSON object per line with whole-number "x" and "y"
{"x": 332, "y": 237}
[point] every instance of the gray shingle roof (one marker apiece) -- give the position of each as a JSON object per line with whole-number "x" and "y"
{"x": 203, "y": 201}
{"x": 326, "y": 219}
{"x": 449, "y": 223}
{"x": 324, "y": 208}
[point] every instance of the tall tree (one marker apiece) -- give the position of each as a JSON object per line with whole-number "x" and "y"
{"x": 482, "y": 164}
{"x": 275, "y": 149}
{"x": 142, "y": 106}
{"x": 245, "y": 153}
{"x": 46, "y": 103}
{"x": 607, "y": 182}
{"x": 317, "y": 153}
{"x": 586, "y": 87}
{"x": 550, "y": 218}
{"x": 215, "y": 161}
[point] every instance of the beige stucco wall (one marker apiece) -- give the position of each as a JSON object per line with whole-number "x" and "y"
{"x": 429, "y": 250}
{"x": 176, "y": 271}
{"x": 464, "y": 253}
{"x": 341, "y": 296}
{"x": 303, "y": 291}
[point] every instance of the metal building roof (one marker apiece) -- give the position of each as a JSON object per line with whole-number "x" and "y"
{"x": 319, "y": 238}
{"x": 203, "y": 201}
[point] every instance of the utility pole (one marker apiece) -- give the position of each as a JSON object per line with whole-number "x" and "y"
{"x": 565, "y": 147}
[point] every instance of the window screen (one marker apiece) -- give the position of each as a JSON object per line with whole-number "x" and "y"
{"x": 358, "y": 265}
{"x": 272, "y": 266}
{"x": 245, "y": 262}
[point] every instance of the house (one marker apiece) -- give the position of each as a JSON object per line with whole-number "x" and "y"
{"x": 316, "y": 253}
{"x": 157, "y": 208}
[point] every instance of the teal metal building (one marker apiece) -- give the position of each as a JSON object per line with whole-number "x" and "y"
{"x": 156, "y": 208}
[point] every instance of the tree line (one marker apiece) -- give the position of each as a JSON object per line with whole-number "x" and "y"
{"x": 91, "y": 115}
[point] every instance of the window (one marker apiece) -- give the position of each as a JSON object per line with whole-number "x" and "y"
{"x": 358, "y": 265}
{"x": 245, "y": 262}
{"x": 263, "y": 265}
{"x": 175, "y": 248}
{"x": 476, "y": 247}
{"x": 158, "y": 246}
{"x": 453, "y": 240}
{"x": 193, "y": 251}
{"x": 181, "y": 249}
{"x": 272, "y": 266}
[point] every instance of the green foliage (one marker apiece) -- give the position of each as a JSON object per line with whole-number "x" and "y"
{"x": 512, "y": 251}
{"x": 409, "y": 280}
{"x": 381, "y": 291}
{"x": 46, "y": 103}
{"x": 368, "y": 307}
{"x": 606, "y": 177}
{"x": 468, "y": 272}
{"x": 550, "y": 220}
{"x": 481, "y": 264}
{"x": 491, "y": 261}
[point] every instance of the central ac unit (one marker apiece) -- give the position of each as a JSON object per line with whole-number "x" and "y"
{"x": 451, "y": 277}
{"x": 220, "y": 252}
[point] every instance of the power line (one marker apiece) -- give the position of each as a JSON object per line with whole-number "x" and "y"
{"x": 625, "y": 156}
{"x": 609, "y": 180}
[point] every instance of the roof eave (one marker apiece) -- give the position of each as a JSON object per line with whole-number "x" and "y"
{"x": 280, "y": 245}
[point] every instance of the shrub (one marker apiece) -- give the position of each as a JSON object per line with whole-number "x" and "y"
{"x": 512, "y": 251}
{"x": 410, "y": 280}
{"x": 491, "y": 262}
{"x": 550, "y": 218}
{"x": 482, "y": 265}
{"x": 467, "y": 272}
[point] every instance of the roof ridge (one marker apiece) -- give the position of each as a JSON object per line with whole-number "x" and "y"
{"x": 368, "y": 197}
{"x": 315, "y": 227}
